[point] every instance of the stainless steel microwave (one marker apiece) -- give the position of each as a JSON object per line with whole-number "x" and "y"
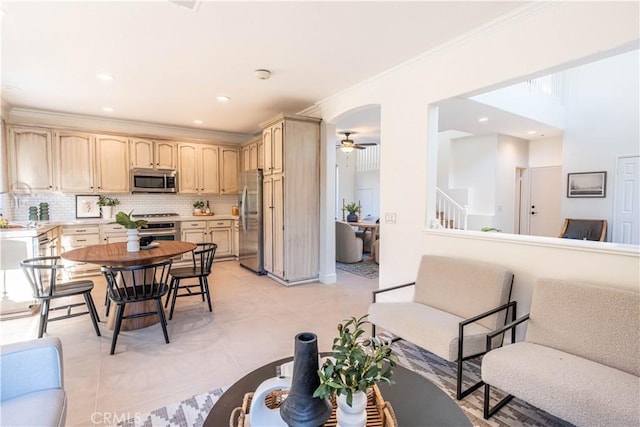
{"x": 154, "y": 181}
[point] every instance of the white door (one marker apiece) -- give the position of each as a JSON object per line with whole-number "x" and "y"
{"x": 626, "y": 216}
{"x": 545, "y": 197}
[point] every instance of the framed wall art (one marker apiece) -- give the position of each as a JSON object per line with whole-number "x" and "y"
{"x": 587, "y": 184}
{"x": 87, "y": 207}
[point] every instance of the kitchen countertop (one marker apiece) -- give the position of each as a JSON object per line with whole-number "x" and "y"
{"x": 26, "y": 231}
{"x": 207, "y": 217}
{"x": 33, "y": 231}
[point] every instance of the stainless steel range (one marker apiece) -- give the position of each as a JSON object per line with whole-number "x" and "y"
{"x": 160, "y": 226}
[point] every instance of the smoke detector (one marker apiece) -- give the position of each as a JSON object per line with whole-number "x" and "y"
{"x": 262, "y": 74}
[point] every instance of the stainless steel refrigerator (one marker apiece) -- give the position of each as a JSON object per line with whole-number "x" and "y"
{"x": 251, "y": 251}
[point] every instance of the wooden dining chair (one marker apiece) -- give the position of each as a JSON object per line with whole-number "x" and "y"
{"x": 202, "y": 259}
{"x": 42, "y": 273}
{"x": 135, "y": 284}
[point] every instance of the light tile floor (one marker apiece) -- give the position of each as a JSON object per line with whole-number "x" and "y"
{"x": 254, "y": 321}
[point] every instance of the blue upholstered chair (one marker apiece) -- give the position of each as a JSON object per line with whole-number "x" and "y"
{"x": 32, "y": 384}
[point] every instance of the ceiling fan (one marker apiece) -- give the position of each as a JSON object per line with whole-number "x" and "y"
{"x": 347, "y": 145}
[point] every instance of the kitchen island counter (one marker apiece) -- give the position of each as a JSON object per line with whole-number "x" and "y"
{"x": 20, "y": 229}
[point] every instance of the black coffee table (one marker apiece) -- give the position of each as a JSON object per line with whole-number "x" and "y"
{"x": 416, "y": 401}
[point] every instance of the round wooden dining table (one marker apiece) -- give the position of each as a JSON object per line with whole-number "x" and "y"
{"x": 116, "y": 255}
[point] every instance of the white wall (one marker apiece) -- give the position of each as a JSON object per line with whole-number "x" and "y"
{"x": 369, "y": 181}
{"x": 486, "y": 166}
{"x": 512, "y": 153}
{"x": 602, "y": 122}
{"x": 473, "y": 165}
{"x": 545, "y": 152}
{"x": 346, "y": 163}
{"x": 444, "y": 146}
{"x": 506, "y": 52}
{"x": 519, "y": 100}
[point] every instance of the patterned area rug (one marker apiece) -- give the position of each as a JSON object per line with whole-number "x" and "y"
{"x": 364, "y": 268}
{"x": 189, "y": 413}
{"x": 193, "y": 411}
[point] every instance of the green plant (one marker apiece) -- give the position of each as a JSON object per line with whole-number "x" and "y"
{"x": 126, "y": 221}
{"x": 352, "y": 208}
{"x": 198, "y": 204}
{"x": 355, "y": 363}
{"x": 107, "y": 201}
{"x": 490, "y": 229}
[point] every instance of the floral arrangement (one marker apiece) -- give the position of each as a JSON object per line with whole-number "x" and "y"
{"x": 355, "y": 363}
{"x": 352, "y": 208}
{"x": 107, "y": 201}
{"x": 126, "y": 221}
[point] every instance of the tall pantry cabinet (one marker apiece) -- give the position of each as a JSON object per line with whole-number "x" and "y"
{"x": 291, "y": 197}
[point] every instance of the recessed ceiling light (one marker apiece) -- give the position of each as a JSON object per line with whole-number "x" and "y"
{"x": 223, "y": 98}
{"x": 532, "y": 132}
{"x": 108, "y": 109}
{"x": 105, "y": 76}
{"x": 198, "y": 122}
{"x": 483, "y": 119}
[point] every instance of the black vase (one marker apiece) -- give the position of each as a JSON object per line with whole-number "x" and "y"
{"x": 352, "y": 217}
{"x": 300, "y": 408}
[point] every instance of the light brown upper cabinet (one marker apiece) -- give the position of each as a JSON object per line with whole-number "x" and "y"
{"x": 146, "y": 153}
{"x": 253, "y": 155}
{"x": 229, "y": 170}
{"x": 87, "y": 163}
{"x": 75, "y": 153}
{"x": 112, "y": 164}
{"x": 272, "y": 140}
{"x": 30, "y": 160}
{"x": 198, "y": 171}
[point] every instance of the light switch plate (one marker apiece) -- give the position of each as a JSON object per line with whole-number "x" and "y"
{"x": 390, "y": 217}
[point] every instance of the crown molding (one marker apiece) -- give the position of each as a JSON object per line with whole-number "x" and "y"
{"x": 59, "y": 120}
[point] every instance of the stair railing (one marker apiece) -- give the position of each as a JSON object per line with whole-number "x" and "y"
{"x": 449, "y": 212}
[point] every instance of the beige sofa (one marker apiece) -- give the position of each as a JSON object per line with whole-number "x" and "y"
{"x": 453, "y": 298}
{"x": 580, "y": 359}
{"x": 348, "y": 246}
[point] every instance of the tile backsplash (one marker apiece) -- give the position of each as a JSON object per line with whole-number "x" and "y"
{"x": 63, "y": 207}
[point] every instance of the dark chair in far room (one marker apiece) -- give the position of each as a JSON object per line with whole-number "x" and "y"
{"x": 42, "y": 273}
{"x": 135, "y": 284}
{"x": 202, "y": 259}
{"x": 584, "y": 229}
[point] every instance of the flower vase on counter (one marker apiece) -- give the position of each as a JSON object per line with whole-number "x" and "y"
{"x": 107, "y": 211}
{"x": 132, "y": 226}
{"x": 133, "y": 240}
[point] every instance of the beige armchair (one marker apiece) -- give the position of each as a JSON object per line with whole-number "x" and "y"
{"x": 348, "y": 246}
{"x": 456, "y": 303}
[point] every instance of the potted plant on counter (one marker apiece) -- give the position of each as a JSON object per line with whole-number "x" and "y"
{"x": 353, "y": 210}
{"x": 106, "y": 205}
{"x": 356, "y": 363}
{"x": 132, "y": 226}
{"x": 197, "y": 206}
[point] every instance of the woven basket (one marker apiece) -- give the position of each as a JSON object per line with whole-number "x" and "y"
{"x": 379, "y": 412}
